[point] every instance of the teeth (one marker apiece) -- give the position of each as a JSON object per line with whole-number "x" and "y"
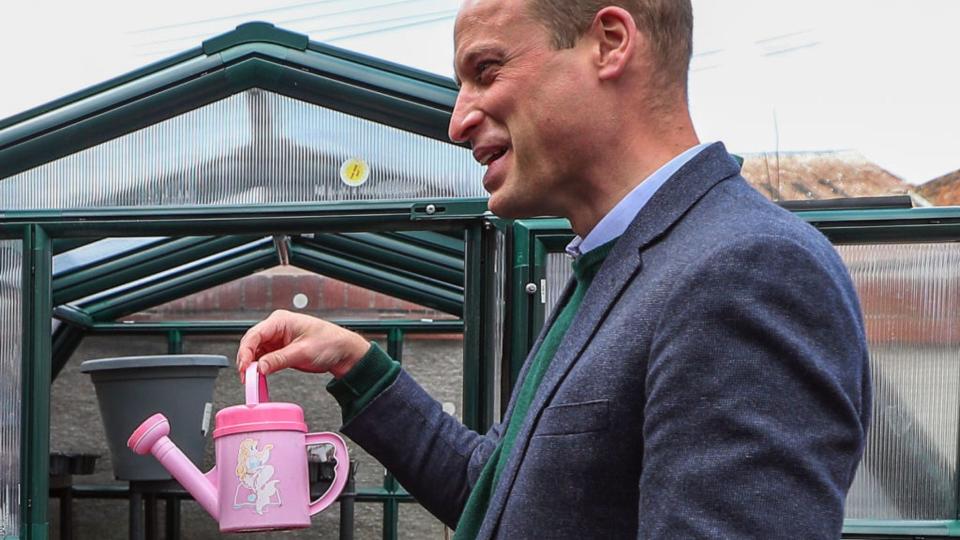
{"x": 486, "y": 160}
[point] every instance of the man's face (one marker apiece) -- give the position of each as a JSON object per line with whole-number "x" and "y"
{"x": 519, "y": 107}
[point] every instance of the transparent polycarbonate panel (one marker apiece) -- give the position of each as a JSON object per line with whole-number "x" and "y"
{"x": 98, "y": 251}
{"x": 133, "y": 285}
{"x": 496, "y": 315}
{"x": 252, "y": 147}
{"x": 910, "y": 294}
{"x": 559, "y": 272}
{"x": 11, "y": 319}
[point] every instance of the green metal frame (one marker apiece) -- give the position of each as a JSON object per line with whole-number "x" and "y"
{"x": 532, "y": 240}
{"x": 478, "y": 406}
{"x": 262, "y": 57}
{"x": 212, "y": 271}
{"x": 340, "y": 262}
{"x": 262, "y": 219}
{"x": 134, "y": 265}
{"x": 422, "y": 234}
{"x": 405, "y": 257}
{"x": 35, "y": 411}
{"x": 358, "y": 258}
{"x": 96, "y": 312}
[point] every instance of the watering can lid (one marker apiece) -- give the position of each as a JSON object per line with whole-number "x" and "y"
{"x": 261, "y": 417}
{"x": 259, "y": 414}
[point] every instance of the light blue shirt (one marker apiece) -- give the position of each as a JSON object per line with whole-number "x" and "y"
{"x": 621, "y": 216}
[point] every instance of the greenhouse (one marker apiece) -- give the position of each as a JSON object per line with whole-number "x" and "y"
{"x": 262, "y": 157}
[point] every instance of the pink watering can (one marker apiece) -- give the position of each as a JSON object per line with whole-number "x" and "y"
{"x": 260, "y": 481}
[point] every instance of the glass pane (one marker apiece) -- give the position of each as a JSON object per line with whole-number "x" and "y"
{"x": 496, "y": 316}
{"x": 910, "y": 294}
{"x": 559, "y": 272}
{"x": 153, "y": 278}
{"x": 253, "y": 147}
{"x": 11, "y": 335}
{"x": 98, "y": 251}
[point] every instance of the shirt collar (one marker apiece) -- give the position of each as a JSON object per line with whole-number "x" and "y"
{"x": 622, "y": 215}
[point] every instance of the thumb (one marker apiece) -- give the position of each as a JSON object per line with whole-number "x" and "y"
{"x": 274, "y": 361}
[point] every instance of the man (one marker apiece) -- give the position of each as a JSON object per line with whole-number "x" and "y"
{"x": 705, "y": 375}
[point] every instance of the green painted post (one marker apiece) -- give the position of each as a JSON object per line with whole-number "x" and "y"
{"x": 65, "y": 340}
{"x": 174, "y": 342}
{"x": 391, "y": 507}
{"x": 490, "y": 347}
{"x": 531, "y": 240}
{"x": 35, "y": 415}
{"x": 474, "y": 416}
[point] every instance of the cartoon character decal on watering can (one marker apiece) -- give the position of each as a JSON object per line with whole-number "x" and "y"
{"x": 257, "y": 486}
{"x": 242, "y": 492}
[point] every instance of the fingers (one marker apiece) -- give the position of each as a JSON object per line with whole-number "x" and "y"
{"x": 273, "y": 361}
{"x": 266, "y": 331}
{"x": 293, "y": 340}
{"x": 295, "y": 355}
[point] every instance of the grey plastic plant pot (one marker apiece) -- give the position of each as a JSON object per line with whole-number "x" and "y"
{"x": 130, "y": 389}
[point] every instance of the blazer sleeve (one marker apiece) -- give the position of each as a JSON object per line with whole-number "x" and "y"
{"x": 432, "y": 454}
{"x": 757, "y": 396}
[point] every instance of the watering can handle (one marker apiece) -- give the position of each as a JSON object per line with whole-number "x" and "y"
{"x": 256, "y": 386}
{"x": 341, "y": 470}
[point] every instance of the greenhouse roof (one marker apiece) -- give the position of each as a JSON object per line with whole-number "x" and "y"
{"x": 255, "y": 121}
{"x": 255, "y": 55}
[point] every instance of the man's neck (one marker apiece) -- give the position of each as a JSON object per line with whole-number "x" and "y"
{"x": 605, "y": 188}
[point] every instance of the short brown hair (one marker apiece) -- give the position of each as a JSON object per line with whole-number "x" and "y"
{"x": 667, "y": 23}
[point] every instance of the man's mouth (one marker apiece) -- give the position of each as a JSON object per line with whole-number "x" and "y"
{"x": 488, "y": 155}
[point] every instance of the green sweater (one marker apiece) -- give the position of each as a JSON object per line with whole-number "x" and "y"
{"x": 376, "y": 371}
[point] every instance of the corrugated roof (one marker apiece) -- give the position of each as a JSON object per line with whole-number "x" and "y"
{"x": 943, "y": 190}
{"x": 819, "y": 175}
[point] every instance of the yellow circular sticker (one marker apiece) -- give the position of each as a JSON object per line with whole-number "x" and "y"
{"x": 354, "y": 172}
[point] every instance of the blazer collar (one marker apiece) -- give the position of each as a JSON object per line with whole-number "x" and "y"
{"x": 687, "y": 186}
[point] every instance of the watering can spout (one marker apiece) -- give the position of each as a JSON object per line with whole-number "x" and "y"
{"x": 152, "y": 438}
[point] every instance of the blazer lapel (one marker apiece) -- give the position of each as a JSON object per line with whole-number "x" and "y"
{"x": 712, "y": 165}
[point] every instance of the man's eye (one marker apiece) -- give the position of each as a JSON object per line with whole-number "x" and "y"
{"x": 483, "y": 71}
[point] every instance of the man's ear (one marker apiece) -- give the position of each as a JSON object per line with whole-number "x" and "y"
{"x": 616, "y": 37}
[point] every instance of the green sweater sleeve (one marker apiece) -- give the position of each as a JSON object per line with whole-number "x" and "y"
{"x": 372, "y": 375}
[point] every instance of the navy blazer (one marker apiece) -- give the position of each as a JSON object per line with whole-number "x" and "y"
{"x": 713, "y": 384}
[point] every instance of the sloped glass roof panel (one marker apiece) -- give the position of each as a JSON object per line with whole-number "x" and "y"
{"x": 159, "y": 276}
{"x": 99, "y": 251}
{"x": 253, "y": 147}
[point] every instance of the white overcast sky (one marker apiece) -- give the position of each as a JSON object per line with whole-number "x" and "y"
{"x": 881, "y": 77}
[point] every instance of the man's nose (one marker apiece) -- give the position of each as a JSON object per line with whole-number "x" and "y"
{"x": 464, "y": 119}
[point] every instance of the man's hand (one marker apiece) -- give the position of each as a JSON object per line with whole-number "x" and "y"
{"x": 293, "y": 340}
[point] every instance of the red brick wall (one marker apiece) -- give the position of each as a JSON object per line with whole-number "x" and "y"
{"x": 257, "y": 295}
